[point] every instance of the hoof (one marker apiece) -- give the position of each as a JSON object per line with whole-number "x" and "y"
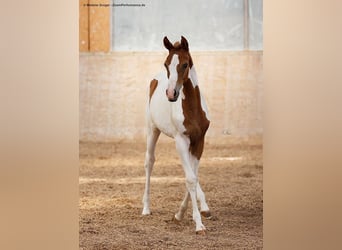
{"x": 206, "y": 214}
{"x": 201, "y": 232}
{"x": 175, "y": 220}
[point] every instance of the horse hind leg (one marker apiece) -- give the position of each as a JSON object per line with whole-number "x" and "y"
{"x": 205, "y": 212}
{"x": 152, "y": 137}
{"x": 184, "y": 205}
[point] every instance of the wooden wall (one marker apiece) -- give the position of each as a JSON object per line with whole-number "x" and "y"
{"x": 94, "y": 28}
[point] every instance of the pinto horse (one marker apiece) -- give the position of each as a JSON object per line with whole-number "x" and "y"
{"x": 176, "y": 108}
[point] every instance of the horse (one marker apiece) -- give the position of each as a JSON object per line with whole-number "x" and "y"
{"x": 176, "y": 108}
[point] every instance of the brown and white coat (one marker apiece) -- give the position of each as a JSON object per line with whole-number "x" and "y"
{"x": 176, "y": 108}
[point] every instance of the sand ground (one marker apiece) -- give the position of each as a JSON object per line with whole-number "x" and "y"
{"x": 112, "y": 180}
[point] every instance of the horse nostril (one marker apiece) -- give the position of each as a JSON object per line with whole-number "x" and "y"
{"x": 174, "y": 93}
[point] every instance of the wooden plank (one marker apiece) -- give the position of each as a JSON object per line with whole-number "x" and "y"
{"x": 83, "y": 25}
{"x": 99, "y": 26}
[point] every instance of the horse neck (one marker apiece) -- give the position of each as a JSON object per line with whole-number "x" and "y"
{"x": 191, "y": 88}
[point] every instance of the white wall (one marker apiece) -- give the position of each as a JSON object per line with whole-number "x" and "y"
{"x": 208, "y": 25}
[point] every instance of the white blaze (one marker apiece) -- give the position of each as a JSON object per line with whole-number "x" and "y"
{"x": 173, "y": 75}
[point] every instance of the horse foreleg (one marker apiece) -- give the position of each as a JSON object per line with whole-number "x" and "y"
{"x": 182, "y": 145}
{"x": 152, "y": 137}
{"x": 200, "y": 194}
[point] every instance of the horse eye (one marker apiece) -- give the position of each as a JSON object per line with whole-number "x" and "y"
{"x": 185, "y": 65}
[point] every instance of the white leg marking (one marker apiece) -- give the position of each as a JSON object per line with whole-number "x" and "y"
{"x": 201, "y": 198}
{"x": 184, "y": 205}
{"x": 182, "y": 145}
{"x": 152, "y": 137}
{"x": 200, "y": 193}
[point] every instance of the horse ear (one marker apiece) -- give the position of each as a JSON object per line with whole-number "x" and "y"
{"x": 184, "y": 43}
{"x": 167, "y": 43}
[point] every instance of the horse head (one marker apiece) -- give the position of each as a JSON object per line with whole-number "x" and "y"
{"x": 177, "y": 64}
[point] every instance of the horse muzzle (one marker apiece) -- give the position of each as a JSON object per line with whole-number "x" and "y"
{"x": 172, "y": 95}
